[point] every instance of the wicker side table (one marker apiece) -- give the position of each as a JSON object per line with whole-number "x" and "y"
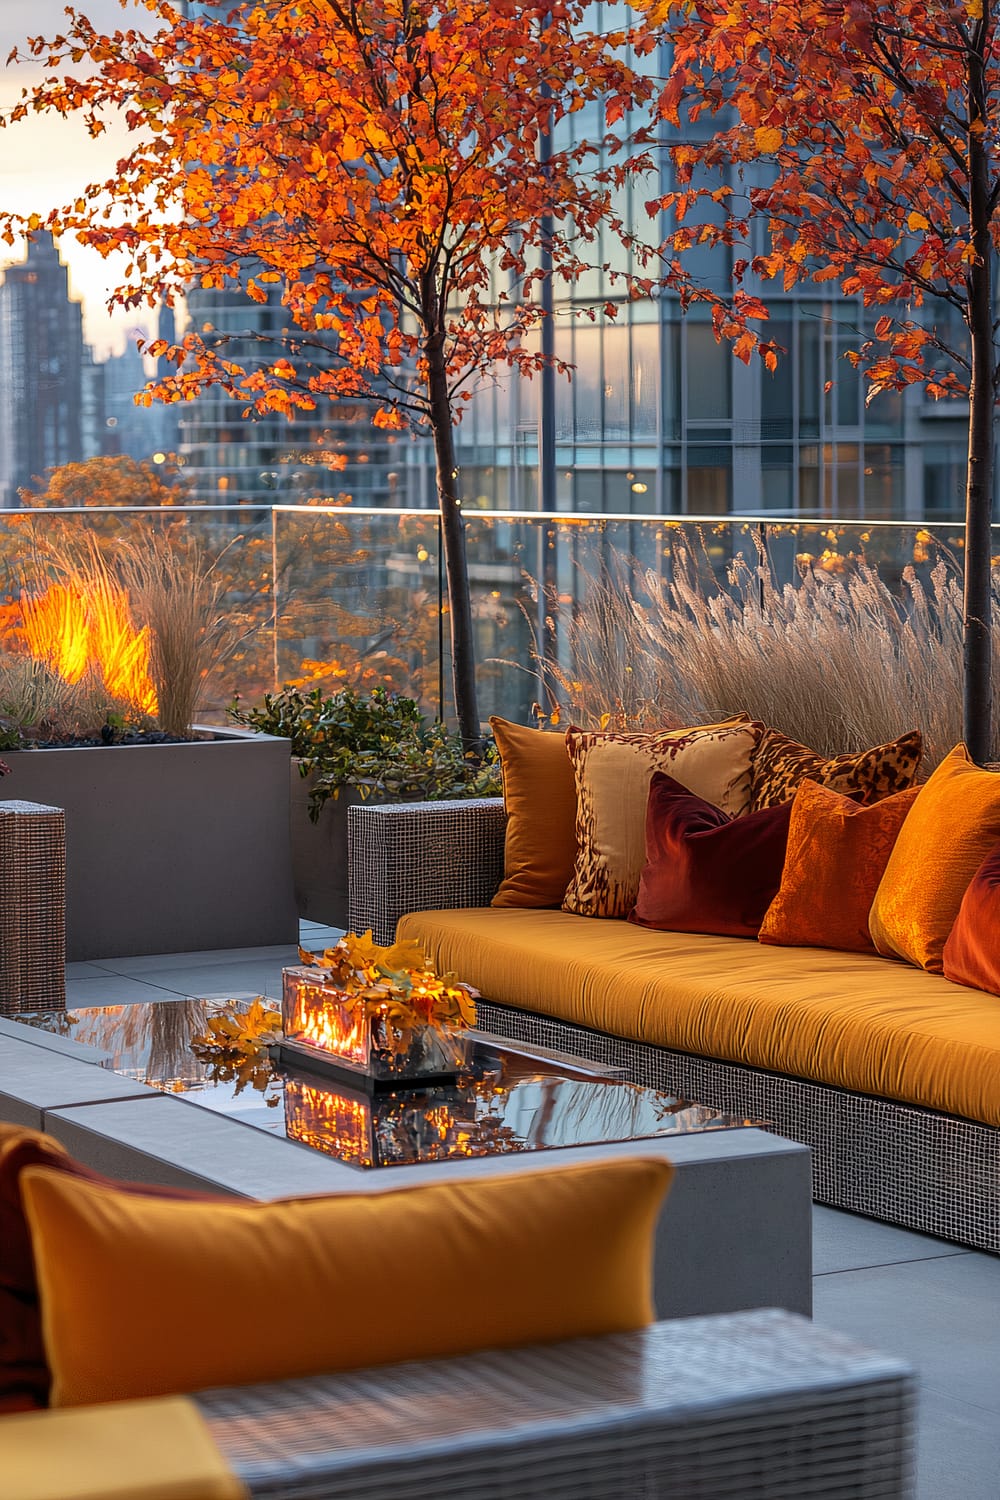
{"x": 32, "y": 906}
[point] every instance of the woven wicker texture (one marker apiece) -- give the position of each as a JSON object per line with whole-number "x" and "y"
{"x": 752, "y": 1406}
{"x": 891, "y": 1161}
{"x": 420, "y": 857}
{"x": 32, "y": 906}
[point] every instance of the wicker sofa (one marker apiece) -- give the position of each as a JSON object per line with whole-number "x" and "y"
{"x": 890, "y": 1099}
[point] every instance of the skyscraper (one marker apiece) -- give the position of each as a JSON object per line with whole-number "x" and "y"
{"x": 41, "y": 369}
{"x": 229, "y": 458}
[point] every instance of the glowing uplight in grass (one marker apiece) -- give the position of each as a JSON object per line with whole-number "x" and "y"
{"x": 76, "y": 628}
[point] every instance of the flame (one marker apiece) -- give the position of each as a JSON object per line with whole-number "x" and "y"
{"x": 329, "y": 1122}
{"x": 312, "y": 1014}
{"x": 73, "y": 629}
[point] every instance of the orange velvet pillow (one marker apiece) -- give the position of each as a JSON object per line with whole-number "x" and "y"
{"x": 539, "y": 793}
{"x": 952, "y": 826}
{"x": 836, "y": 855}
{"x": 145, "y": 1298}
{"x": 972, "y": 952}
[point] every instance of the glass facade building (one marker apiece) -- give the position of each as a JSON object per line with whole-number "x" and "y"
{"x": 657, "y": 418}
{"x": 41, "y": 370}
{"x": 660, "y": 417}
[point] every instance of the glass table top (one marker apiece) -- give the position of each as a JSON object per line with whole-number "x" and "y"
{"x": 511, "y": 1097}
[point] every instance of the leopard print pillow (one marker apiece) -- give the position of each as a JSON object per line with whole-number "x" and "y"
{"x": 779, "y": 764}
{"x": 613, "y": 772}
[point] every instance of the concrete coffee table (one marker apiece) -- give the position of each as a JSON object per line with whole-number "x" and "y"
{"x": 735, "y": 1231}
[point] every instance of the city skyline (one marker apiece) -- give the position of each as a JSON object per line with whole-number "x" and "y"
{"x": 47, "y": 161}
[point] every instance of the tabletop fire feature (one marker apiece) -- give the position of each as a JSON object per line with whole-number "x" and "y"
{"x": 378, "y": 1016}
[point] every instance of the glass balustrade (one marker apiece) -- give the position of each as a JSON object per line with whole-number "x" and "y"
{"x": 335, "y": 597}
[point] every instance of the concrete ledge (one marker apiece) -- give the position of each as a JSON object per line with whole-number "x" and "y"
{"x": 33, "y": 1036}
{"x": 36, "y": 1079}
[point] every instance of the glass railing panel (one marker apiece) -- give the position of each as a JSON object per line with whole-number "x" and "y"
{"x": 565, "y": 607}
{"x": 833, "y": 548}
{"x": 207, "y": 570}
{"x": 585, "y": 616}
{"x": 357, "y": 601}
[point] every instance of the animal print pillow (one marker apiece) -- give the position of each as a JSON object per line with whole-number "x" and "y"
{"x": 779, "y": 764}
{"x": 613, "y": 772}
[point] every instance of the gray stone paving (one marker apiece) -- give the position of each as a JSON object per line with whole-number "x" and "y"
{"x": 935, "y": 1304}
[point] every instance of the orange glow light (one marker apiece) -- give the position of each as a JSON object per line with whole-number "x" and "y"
{"x": 72, "y": 631}
{"x": 329, "y": 1122}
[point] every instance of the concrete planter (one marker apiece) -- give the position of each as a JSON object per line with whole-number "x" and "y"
{"x": 170, "y": 848}
{"x": 319, "y": 851}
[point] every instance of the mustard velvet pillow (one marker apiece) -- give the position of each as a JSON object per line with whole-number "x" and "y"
{"x": 539, "y": 793}
{"x": 137, "y": 1450}
{"x": 160, "y": 1297}
{"x": 948, "y": 832}
{"x": 613, "y": 775}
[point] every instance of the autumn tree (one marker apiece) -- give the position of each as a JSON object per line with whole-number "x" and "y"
{"x": 863, "y": 139}
{"x": 112, "y": 480}
{"x": 380, "y": 163}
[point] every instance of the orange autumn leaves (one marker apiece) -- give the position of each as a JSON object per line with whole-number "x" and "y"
{"x": 850, "y": 133}
{"x": 378, "y": 165}
{"x": 375, "y": 164}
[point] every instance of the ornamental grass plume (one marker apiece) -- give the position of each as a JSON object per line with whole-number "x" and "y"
{"x": 838, "y": 663}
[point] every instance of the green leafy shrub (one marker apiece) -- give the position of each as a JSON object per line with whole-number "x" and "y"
{"x": 377, "y": 742}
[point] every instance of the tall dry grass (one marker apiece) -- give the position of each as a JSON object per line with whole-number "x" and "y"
{"x": 145, "y": 624}
{"x": 838, "y": 663}
{"x": 176, "y": 596}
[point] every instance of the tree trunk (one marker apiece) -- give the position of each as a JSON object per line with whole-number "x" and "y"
{"x": 977, "y": 644}
{"x": 463, "y": 652}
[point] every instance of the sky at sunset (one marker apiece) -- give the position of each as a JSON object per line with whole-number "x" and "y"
{"x": 46, "y": 162}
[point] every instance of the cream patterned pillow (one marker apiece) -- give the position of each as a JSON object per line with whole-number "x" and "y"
{"x": 613, "y": 772}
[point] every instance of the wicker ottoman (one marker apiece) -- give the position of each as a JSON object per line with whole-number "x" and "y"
{"x": 749, "y": 1406}
{"x": 32, "y": 906}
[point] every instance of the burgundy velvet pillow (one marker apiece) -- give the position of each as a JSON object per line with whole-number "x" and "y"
{"x": 24, "y": 1373}
{"x": 706, "y": 871}
{"x": 972, "y": 952}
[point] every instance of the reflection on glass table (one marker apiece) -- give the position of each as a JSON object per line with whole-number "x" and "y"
{"x": 509, "y": 1098}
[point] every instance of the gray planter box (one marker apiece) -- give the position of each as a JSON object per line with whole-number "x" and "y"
{"x": 319, "y": 852}
{"x": 170, "y": 848}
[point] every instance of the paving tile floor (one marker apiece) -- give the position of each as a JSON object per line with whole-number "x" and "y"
{"x": 936, "y": 1304}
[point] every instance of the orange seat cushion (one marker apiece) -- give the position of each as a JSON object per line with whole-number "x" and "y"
{"x": 161, "y": 1297}
{"x": 836, "y": 855}
{"x": 950, "y": 829}
{"x": 849, "y": 1019}
{"x": 138, "y": 1450}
